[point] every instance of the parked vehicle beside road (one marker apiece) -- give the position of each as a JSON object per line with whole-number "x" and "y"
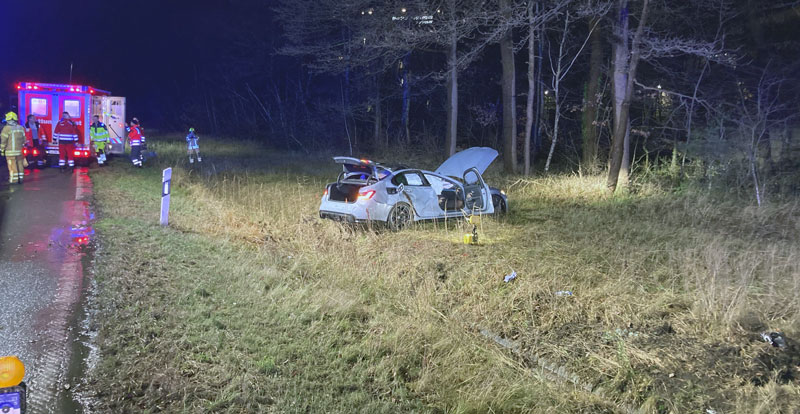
{"x": 366, "y": 191}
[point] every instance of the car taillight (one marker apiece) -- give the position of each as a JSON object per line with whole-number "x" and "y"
{"x": 325, "y": 193}
{"x": 86, "y": 153}
{"x": 35, "y": 152}
{"x": 366, "y": 195}
{"x": 77, "y": 153}
{"x": 25, "y": 152}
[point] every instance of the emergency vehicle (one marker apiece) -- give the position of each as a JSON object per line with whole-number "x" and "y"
{"x": 47, "y": 101}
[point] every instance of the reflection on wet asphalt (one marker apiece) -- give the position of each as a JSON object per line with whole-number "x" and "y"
{"x": 45, "y": 227}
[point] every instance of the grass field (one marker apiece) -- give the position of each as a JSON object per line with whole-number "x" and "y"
{"x": 249, "y": 302}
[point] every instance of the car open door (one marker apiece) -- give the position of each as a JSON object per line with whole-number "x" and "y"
{"x": 476, "y": 193}
{"x": 419, "y": 193}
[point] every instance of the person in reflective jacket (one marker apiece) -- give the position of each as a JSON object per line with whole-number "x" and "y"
{"x": 100, "y": 138}
{"x": 193, "y": 148}
{"x": 67, "y": 134}
{"x": 12, "y": 138}
{"x": 137, "y": 140}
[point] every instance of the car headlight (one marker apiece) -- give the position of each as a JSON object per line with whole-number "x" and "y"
{"x": 502, "y": 192}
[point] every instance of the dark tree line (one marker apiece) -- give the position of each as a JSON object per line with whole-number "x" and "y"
{"x": 594, "y": 85}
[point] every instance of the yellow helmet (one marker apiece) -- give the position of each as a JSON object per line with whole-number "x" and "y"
{"x": 11, "y": 116}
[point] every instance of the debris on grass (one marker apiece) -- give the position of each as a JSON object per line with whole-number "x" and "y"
{"x": 775, "y": 339}
{"x": 564, "y": 293}
{"x": 511, "y": 276}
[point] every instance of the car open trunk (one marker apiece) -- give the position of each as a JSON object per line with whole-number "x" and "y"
{"x": 346, "y": 193}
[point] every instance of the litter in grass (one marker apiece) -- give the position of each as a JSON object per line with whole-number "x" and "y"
{"x": 622, "y": 333}
{"x": 775, "y": 339}
{"x": 510, "y": 277}
{"x": 564, "y": 293}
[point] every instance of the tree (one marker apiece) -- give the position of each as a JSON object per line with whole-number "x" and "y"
{"x": 648, "y": 43}
{"x": 564, "y": 63}
{"x": 592, "y": 98}
{"x": 626, "y": 52}
{"x": 762, "y": 108}
{"x": 454, "y": 25}
{"x": 509, "y": 88}
{"x": 537, "y": 15}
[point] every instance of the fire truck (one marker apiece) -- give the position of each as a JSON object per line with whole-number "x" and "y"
{"x": 47, "y": 101}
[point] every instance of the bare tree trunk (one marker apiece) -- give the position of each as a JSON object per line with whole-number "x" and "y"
{"x": 406, "y": 99}
{"x": 555, "y": 135}
{"x": 344, "y": 116}
{"x": 625, "y": 168}
{"x": 378, "y": 142}
{"x": 452, "y": 96}
{"x": 754, "y": 172}
{"x": 626, "y": 59}
{"x": 537, "y": 124}
{"x": 690, "y": 117}
{"x": 531, "y": 85}
{"x": 591, "y": 101}
{"x": 509, "y": 98}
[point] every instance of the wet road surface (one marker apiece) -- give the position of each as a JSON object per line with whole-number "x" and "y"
{"x": 45, "y": 230}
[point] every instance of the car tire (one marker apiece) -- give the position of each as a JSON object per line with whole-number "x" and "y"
{"x": 400, "y": 217}
{"x": 500, "y": 207}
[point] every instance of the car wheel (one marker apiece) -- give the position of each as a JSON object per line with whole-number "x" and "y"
{"x": 500, "y": 207}
{"x": 400, "y": 217}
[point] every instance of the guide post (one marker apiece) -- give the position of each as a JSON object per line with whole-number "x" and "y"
{"x": 166, "y": 184}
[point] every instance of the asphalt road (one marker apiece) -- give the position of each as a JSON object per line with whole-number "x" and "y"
{"x": 45, "y": 231}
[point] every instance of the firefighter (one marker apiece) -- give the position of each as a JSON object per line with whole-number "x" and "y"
{"x": 67, "y": 134}
{"x": 191, "y": 143}
{"x": 12, "y": 138}
{"x": 137, "y": 140}
{"x": 36, "y": 137}
{"x": 100, "y": 138}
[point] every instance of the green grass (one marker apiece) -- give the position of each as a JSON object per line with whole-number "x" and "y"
{"x": 250, "y": 303}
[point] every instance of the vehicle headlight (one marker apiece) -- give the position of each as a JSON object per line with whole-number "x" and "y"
{"x": 502, "y": 192}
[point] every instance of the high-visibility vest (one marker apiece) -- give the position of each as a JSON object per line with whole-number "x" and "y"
{"x": 12, "y": 138}
{"x": 98, "y": 132}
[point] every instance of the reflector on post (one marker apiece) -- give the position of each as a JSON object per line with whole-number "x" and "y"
{"x": 166, "y": 181}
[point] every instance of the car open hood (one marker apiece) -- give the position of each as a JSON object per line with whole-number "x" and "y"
{"x": 476, "y": 157}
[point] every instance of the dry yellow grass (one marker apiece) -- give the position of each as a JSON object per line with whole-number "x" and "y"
{"x": 670, "y": 291}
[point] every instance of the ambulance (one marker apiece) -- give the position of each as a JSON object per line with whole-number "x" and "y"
{"x": 47, "y": 101}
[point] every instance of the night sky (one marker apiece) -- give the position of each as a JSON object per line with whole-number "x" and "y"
{"x": 131, "y": 48}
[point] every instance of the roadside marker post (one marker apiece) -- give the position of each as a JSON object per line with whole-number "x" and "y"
{"x": 166, "y": 188}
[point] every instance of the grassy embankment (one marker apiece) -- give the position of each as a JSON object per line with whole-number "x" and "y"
{"x": 250, "y": 303}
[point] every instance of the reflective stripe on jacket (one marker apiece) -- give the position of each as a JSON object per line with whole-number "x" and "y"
{"x": 66, "y": 131}
{"x": 12, "y": 138}
{"x": 99, "y": 132}
{"x": 135, "y": 136}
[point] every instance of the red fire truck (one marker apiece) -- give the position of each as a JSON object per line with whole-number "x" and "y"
{"x": 47, "y": 101}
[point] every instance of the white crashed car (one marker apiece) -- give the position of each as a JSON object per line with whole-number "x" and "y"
{"x": 370, "y": 192}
